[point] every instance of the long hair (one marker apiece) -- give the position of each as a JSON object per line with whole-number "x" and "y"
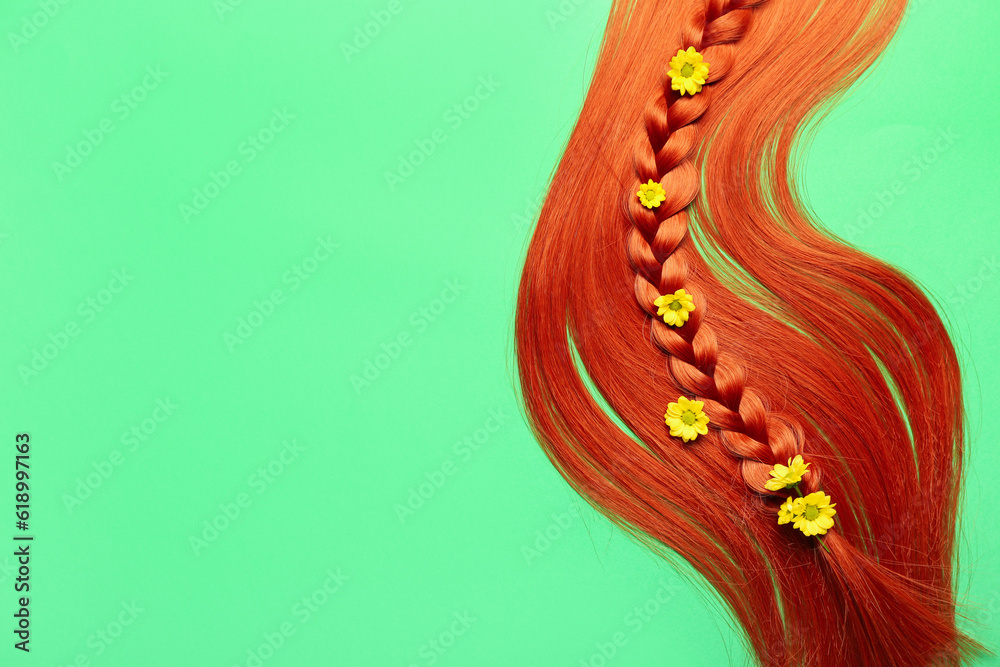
{"x": 798, "y": 345}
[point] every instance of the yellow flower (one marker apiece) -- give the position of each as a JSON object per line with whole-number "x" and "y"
{"x": 685, "y": 419}
{"x": 651, "y": 194}
{"x": 813, "y": 514}
{"x": 688, "y": 72}
{"x": 787, "y": 475}
{"x": 787, "y": 510}
{"x": 675, "y": 307}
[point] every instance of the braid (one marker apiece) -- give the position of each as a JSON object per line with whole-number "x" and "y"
{"x": 658, "y": 244}
{"x": 879, "y": 590}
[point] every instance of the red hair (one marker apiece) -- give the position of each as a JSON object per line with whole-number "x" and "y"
{"x": 799, "y": 344}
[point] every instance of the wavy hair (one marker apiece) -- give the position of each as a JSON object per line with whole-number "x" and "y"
{"x": 798, "y": 345}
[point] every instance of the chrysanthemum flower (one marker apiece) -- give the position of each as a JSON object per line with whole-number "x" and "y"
{"x": 787, "y": 510}
{"x": 688, "y": 72}
{"x": 686, "y": 420}
{"x": 814, "y": 514}
{"x": 787, "y": 475}
{"x": 651, "y": 194}
{"x": 675, "y": 308}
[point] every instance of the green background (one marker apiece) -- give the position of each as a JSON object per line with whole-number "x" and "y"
{"x": 418, "y": 293}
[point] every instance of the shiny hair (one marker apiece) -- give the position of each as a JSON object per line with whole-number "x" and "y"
{"x": 799, "y": 344}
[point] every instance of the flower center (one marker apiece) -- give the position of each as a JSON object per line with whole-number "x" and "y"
{"x": 687, "y": 70}
{"x": 811, "y": 512}
{"x": 689, "y": 418}
{"x": 675, "y": 305}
